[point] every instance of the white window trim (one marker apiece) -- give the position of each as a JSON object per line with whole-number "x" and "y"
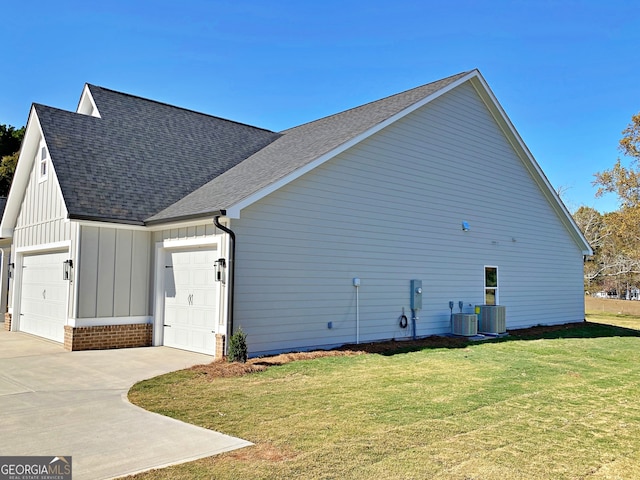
{"x": 496, "y": 288}
{"x": 40, "y": 161}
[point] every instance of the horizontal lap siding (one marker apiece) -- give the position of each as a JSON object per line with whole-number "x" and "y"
{"x": 390, "y": 210}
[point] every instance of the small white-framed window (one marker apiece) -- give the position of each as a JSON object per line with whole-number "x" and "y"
{"x": 43, "y": 162}
{"x": 491, "y": 285}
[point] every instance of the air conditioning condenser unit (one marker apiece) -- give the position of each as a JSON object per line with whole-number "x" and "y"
{"x": 492, "y": 319}
{"x": 465, "y": 324}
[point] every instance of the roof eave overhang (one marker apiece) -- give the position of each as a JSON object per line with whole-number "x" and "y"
{"x": 185, "y": 218}
{"x": 94, "y": 218}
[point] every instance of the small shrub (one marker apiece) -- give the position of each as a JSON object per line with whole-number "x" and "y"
{"x": 238, "y": 347}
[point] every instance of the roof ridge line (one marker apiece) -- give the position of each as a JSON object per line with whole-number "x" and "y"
{"x": 460, "y": 74}
{"x": 157, "y": 102}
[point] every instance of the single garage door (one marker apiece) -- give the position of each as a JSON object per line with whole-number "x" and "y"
{"x": 43, "y": 295}
{"x": 190, "y": 310}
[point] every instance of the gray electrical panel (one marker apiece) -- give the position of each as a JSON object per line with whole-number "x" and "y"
{"x": 416, "y": 294}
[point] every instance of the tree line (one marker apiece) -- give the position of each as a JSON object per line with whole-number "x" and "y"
{"x": 615, "y": 236}
{"x": 10, "y": 141}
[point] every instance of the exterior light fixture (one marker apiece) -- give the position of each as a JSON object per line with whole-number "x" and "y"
{"x": 220, "y": 267}
{"x": 67, "y": 265}
{"x": 465, "y": 226}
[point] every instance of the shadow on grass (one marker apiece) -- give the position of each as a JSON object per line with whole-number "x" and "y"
{"x": 570, "y": 330}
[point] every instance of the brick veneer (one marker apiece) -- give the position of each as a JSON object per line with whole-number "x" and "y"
{"x": 108, "y": 336}
{"x": 219, "y": 345}
{"x": 7, "y": 321}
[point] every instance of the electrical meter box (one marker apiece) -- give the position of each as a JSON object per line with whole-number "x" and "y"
{"x": 416, "y": 294}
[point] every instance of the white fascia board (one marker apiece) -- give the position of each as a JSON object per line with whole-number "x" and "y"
{"x": 157, "y": 227}
{"x": 30, "y": 143}
{"x": 119, "y": 226}
{"x": 530, "y": 162}
{"x": 86, "y": 105}
{"x": 234, "y": 210}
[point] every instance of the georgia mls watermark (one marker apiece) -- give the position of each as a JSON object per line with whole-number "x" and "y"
{"x": 35, "y": 468}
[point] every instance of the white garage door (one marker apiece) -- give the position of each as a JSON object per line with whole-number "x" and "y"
{"x": 43, "y": 295}
{"x": 190, "y": 310}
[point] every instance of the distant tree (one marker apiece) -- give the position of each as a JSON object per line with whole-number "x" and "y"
{"x": 10, "y": 141}
{"x": 7, "y": 169}
{"x": 621, "y": 180}
{"x": 617, "y": 260}
{"x": 630, "y": 143}
{"x": 615, "y": 264}
{"x": 592, "y": 225}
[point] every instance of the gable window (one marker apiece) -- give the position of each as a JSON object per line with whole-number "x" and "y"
{"x": 43, "y": 166}
{"x": 491, "y": 285}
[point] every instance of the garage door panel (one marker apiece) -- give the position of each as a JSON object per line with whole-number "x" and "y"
{"x": 43, "y": 295}
{"x": 190, "y": 299}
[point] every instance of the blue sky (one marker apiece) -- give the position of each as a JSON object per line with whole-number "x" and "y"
{"x": 566, "y": 72}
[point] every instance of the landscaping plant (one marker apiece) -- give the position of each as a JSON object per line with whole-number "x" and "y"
{"x": 238, "y": 347}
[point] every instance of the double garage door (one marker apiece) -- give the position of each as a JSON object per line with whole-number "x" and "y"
{"x": 190, "y": 299}
{"x": 43, "y": 295}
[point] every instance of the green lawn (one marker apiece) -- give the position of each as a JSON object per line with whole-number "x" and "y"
{"x": 565, "y": 405}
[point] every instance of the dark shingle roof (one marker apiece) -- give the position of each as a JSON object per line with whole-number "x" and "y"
{"x": 141, "y": 156}
{"x": 296, "y": 148}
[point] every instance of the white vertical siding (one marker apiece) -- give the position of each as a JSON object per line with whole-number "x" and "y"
{"x": 43, "y": 215}
{"x": 390, "y": 210}
{"x": 186, "y": 233}
{"x": 114, "y": 272}
{"x": 42, "y": 220}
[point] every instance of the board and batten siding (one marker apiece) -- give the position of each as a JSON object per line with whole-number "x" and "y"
{"x": 191, "y": 232}
{"x": 43, "y": 216}
{"x": 390, "y": 210}
{"x": 42, "y": 220}
{"x": 114, "y": 272}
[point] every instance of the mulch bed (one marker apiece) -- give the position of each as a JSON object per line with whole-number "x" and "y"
{"x": 222, "y": 368}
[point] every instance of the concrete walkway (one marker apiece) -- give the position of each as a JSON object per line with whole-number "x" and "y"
{"x": 54, "y": 402}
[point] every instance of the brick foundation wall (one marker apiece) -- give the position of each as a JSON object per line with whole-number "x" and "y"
{"x": 7, "y": 321}
{"x": 108, "y": 336}
{"x": 219, "y": 346}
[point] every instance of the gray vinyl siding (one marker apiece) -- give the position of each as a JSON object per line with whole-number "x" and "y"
{"x": 113, "y": 280}
{"x": 390, "y": 210}
{"x": 43, "y": 215}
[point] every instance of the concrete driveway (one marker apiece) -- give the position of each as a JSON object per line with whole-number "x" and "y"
{"x": 54, "y": 402}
